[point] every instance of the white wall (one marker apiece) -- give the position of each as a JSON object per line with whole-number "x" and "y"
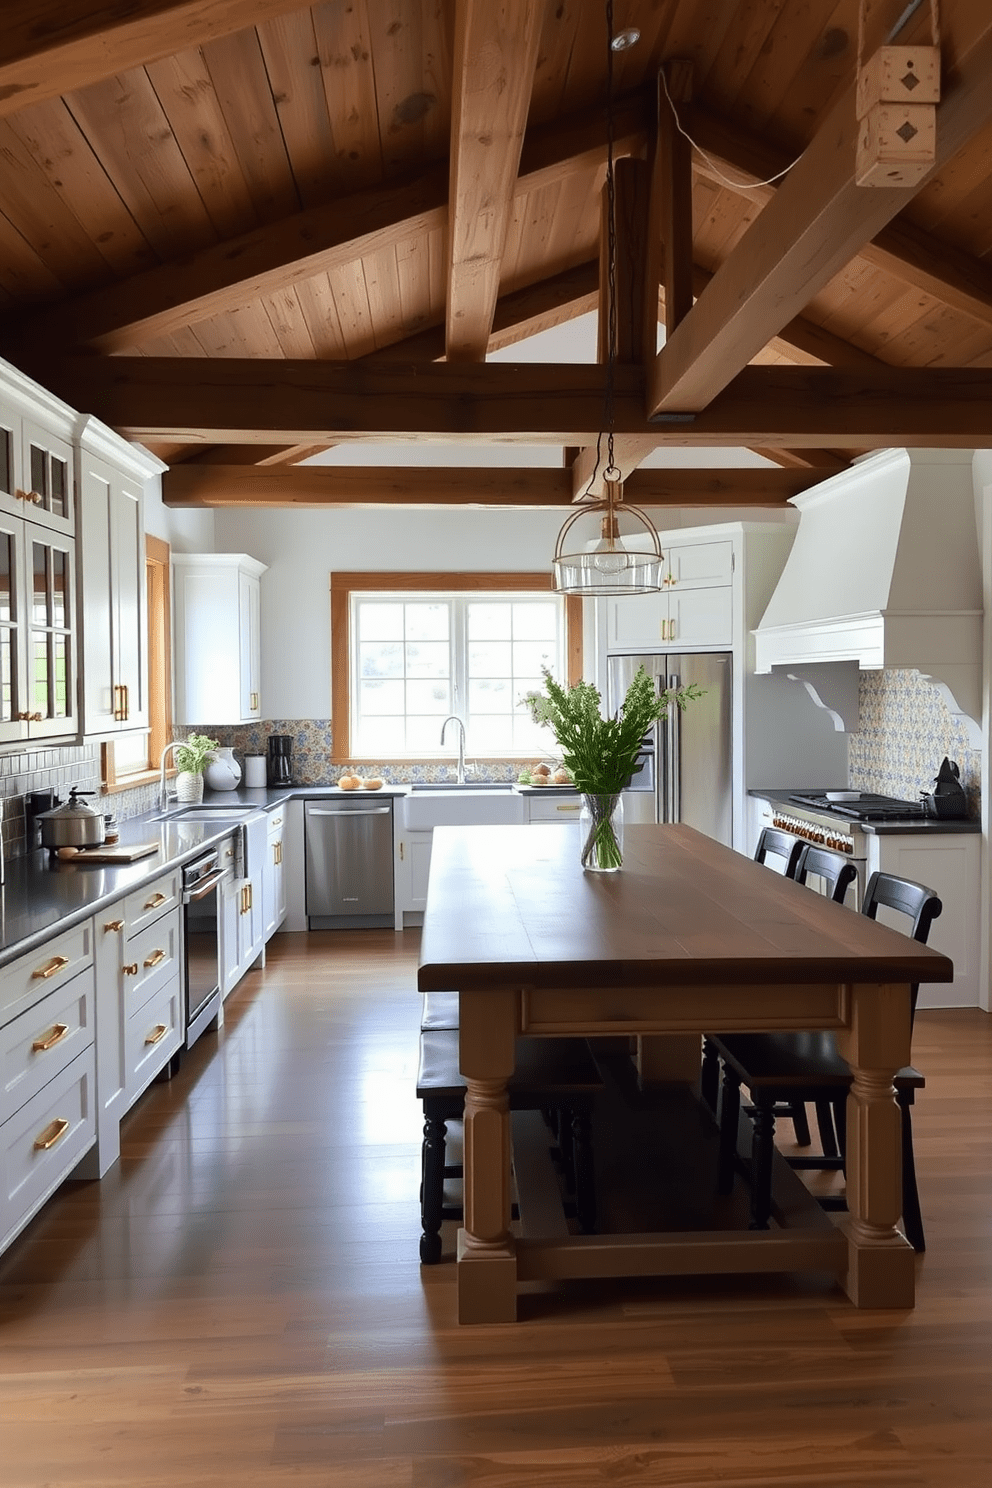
{"x": 184, "y": 531}
{"x": 302, "y": 548}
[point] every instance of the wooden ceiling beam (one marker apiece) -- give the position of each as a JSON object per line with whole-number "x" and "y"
{"x": 737, "y": 162}
{"x": 233, "y": 273}
{"x": 50, "y": 49}
{"x": 494, "y": 63}
{"x": 817, "y": 221}
{"x": 247, "y": 400}
{"x": 195, "y": 486}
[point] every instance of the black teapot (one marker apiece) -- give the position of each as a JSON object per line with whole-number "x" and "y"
{"x": 947, "y": 801}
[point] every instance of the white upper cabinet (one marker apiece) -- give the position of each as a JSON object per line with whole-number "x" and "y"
{"x": 114, "y": 604}
{"x": 218, "y": 637}
{"x": 694, "y": 607}
{"x": 37, "y": 563}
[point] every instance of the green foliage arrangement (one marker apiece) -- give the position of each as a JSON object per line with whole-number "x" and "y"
{"x": 194, "y": 753}
{"x": 600, "y": 753}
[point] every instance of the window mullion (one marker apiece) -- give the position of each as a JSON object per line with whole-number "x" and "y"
{"x": 459, "y": 656}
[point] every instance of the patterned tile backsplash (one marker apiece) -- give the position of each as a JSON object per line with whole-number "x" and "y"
{"x": 906, "y": 730}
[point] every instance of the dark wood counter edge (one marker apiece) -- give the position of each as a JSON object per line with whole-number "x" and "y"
{"x": 905, "y": 962}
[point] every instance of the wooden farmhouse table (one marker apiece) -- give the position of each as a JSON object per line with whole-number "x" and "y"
{"x": 688, "y": 938}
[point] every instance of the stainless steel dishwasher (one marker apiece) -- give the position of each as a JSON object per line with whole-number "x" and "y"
{"x": 349, "y": 863}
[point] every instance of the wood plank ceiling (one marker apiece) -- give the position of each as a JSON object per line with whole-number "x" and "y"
{"x": 244, "y": 230}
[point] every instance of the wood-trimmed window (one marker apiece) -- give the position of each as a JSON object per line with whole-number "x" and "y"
{"x": 122, "y": 769}
{"x": 345, "y": 585}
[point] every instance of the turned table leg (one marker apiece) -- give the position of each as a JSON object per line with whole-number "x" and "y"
{"x": 881, "y": 1270}
{"x": 487, "y": 1262}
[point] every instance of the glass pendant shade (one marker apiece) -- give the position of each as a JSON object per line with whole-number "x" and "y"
{"x": 607, "y": 548}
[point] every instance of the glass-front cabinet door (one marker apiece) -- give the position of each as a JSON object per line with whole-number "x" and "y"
{"x": 48, "y": 470}
{"x": 51, "y": 654}
{"x": 13, "y": 635}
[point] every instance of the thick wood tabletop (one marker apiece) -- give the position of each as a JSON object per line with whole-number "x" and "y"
{"x": 513, "y": 905}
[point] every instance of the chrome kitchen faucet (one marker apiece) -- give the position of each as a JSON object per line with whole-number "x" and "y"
{"x": 453, "y": 718}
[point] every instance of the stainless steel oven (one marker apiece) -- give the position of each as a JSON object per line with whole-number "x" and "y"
{"x": 202, "y": 882}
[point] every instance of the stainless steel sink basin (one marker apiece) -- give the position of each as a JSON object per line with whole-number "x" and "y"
{"x": 467, "y": 785}
{"x": 203, "y": 813}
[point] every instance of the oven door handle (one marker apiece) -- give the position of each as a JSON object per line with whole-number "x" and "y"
{"x": 203, "y": 889}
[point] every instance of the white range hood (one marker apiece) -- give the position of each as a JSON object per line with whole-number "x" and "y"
{"x": 884, "y": 572}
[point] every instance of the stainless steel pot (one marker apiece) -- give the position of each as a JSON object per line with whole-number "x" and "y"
{"x": 73, "y": 825}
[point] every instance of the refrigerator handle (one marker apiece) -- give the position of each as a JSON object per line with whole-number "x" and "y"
{"x": 675, "y": 755}
{"x": 659, "y": 763}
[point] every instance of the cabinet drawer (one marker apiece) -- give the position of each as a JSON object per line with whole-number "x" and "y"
{"x": 152, "y": 1036}
{"x": 151, "y": 958}
{"x": 28, "y": 979}
{"x": 553, "y": 808}
{"x": 43, "y": 1141}
{"x": 38, "y": 1044}
{"x": 147, "y": 905}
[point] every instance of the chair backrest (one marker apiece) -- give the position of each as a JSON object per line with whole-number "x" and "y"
{"x": 837, "y": 872}
{"x": 919, "y": 904}
{"x": 777, "y": 844}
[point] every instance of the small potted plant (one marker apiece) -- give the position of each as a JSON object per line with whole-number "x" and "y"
{"x": 600, "y": 753}
{"x": 192, "y": 756}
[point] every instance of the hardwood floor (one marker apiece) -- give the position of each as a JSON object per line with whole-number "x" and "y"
{"x": 240, "y": 1302}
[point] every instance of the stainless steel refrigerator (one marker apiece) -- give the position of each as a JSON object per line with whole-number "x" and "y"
{"x": 685, "y": 774}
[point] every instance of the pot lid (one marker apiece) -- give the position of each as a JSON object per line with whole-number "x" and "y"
{"x": 72, "y": 809}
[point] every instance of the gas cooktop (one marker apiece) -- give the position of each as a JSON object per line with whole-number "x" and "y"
{"x": 860, "y": 805}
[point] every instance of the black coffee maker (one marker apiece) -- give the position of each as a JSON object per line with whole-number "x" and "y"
{"x": 280, "y": 759}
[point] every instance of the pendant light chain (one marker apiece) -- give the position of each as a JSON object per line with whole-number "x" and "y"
{"x": 611, "y": 472}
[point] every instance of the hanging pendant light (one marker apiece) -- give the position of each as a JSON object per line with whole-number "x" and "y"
{"x": 607, "y": 547}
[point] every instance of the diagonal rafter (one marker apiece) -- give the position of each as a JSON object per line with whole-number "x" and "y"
{"x": 230, "y": 274}
{"x": 818, "y": 220}
{"x": 495, "y": 58}
{"x": 47, "y": 50}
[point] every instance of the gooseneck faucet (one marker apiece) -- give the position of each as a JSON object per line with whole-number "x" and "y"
{"x": 453, "y": 718}
{"x": 163, "y": 799}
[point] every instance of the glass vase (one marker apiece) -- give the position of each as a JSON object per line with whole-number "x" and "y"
{"x": 601, "y": 833}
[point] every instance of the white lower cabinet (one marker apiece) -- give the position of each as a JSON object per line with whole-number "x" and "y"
{"x": 47, "y": 1091}
{"x": 139, "y": 1005}
{"x": 43, "y": 1141}
{"x": 274, "y": 873}
{"x": 412, "y": 861}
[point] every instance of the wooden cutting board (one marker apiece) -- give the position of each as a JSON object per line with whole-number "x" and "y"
{"x": 115, "y": 853}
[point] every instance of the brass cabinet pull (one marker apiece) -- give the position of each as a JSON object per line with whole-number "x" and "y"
{"x": 251, "y": 894}
{"x": 276, "y": 821}
{"x": 113, "y": 925}
{"x": 130, "y": 968}
{"x": 53, "y": 1131}
{"x": 34, "y": 717}
{"x": 277, "y": 852}
{"x": 157, "y": 1034}
{"x": 401, "y": 849}
{"x": 155, "y": 959}
{"x": 56, "y": 964}
{"x": 229, "y": 853}
{"x": 50, "y": 1039}
{"x": 155, "y": 901}
{"x": 571, "y": 806}
{"x": 127, "y": 702}
{"x": 32, "y": 496}
{"x": 253, "y": 700}
{"x": 118, "y": 704}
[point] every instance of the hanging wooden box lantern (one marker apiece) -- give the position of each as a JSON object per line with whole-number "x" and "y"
{"x": 897, "y": 96}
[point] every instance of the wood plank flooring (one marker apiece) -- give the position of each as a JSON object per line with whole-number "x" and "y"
{"x": 240, "y": 1301}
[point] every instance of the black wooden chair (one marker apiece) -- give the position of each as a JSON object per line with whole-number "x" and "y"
{"x": 788, "y": 1068}
{"x": 557, "y": 1076}
{"x": 785, "y": 852}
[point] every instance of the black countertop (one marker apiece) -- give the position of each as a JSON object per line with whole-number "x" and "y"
{"x": 43, "y": 895}
{"x": 927, "y": 826}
